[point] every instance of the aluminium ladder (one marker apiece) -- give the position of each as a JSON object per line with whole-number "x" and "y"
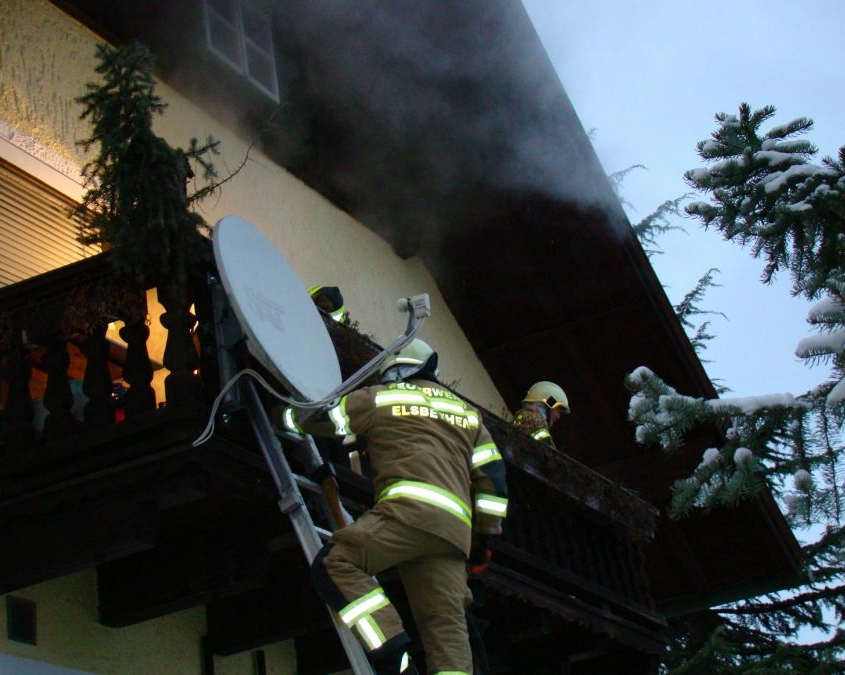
{"x": 228, "y": 335}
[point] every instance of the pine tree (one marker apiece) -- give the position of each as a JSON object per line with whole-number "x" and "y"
{"x": 137, "y": 201}
{"x": 766, "y": 194}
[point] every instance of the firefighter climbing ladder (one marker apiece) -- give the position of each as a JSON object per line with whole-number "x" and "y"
{"x": 229, "y": 337}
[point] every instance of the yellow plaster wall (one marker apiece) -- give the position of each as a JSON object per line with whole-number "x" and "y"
{"x": 45, "y": 60}
{"x": 69, "y": 635}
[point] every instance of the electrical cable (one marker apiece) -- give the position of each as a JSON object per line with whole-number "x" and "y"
{"x": 321, "y": 404}
{"x": 416, "y": 306}
{"x": 208, "y": 432}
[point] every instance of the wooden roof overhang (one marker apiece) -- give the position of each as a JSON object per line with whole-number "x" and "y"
{"x": 444, "y": 128}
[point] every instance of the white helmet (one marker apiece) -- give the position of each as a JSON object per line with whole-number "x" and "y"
{"x": 549, "y": 393}
{"x": 413, "y": 358}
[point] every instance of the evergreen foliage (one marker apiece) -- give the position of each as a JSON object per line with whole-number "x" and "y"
{"x": 617, "y": 178}
{"x": 766, "y": 194}
{"x": 690, "y": 307}
{"x": 648, "y": 230}
{"x": 136, "y": 201}
{"x": 658, "y": 223}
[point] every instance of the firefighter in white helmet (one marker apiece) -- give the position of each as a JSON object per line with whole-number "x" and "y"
{"x": 440, "y": 494}
{"x": 543, "y": 404}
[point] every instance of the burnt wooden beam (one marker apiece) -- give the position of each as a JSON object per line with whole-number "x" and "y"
{"x": 636, "y": 631}
{"x": 286, "y": 607}
{"x": 71, "y": 540}
{"x": 191, "y": 568}
{"x": 320, "y": 653}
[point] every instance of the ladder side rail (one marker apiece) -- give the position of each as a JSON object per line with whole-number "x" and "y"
{"x": 228, "y": 334}
{"x": 292, "y": 504}
{"x": 304, "y": 449}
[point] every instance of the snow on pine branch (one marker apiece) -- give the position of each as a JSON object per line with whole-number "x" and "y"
{"x": 748, "y": 405}
{"x": 756, "y": 429}
{"x": 829, "y": 309}
{"x": 822, "y": 344}
{"x": 775, "y": 181}
{"x": 658, "y": 408}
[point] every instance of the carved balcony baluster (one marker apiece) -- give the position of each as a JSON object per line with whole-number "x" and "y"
{"x": 137, "y": 369}
{"x": 182, "y": 386}
{"x": 58, "y": 323}
{"x": 568, "y": 545}
{"x": 556, "y": 541}
{"x": 97, "y": 384}
{"x": 606, "y": 554}
{"x": 18, "y": 411}
{"x": 623, "y": 573}
{"x": 58, "y": 398}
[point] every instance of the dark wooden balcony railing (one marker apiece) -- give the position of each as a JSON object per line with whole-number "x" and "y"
{"x": 55, "y": 351}
{"x": 571, "y": 552}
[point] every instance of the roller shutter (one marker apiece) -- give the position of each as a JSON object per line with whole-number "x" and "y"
{"x": 36, "y": 233}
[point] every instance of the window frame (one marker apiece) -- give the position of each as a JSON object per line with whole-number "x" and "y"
{"x": 245, "y": 47}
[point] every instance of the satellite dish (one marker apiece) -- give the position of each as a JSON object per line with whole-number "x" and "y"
{"x": 284, "y": 328}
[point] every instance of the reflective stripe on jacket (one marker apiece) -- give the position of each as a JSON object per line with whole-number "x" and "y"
{"x": 533, "y": 423}
{"x": 431, "y": 454}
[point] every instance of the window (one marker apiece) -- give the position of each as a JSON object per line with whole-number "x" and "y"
{"x": 239, "y": 33}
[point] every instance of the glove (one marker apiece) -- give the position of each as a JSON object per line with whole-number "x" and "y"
{"x": 479, "y": 554}
{"x": 277, "y": 417}
{"x": 283, "y": 419}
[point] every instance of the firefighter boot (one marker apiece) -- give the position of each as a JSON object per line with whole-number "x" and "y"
{"x": 393, "y": 662}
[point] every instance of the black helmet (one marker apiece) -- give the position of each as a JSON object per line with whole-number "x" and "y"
{"x": 333, "y": 302}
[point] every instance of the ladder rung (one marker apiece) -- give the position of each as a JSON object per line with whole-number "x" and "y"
{"x": 325, "y": 534}
{"x": 307, "y": 483}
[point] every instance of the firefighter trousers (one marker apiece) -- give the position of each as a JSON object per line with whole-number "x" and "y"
{"x": 433, "y": 573}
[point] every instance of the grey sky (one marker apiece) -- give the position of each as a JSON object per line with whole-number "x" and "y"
{"x": 648, "y": 78}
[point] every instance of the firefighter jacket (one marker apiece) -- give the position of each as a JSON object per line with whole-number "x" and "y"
{"x": 534, "y": 423}
{"x": 435, "y": 465}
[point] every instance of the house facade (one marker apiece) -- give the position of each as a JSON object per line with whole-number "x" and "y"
{"x": 124, "y": 550}
{"x": 48, "y": 58}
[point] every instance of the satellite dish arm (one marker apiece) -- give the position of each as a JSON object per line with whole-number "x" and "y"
{"x": 419, "y": 309}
